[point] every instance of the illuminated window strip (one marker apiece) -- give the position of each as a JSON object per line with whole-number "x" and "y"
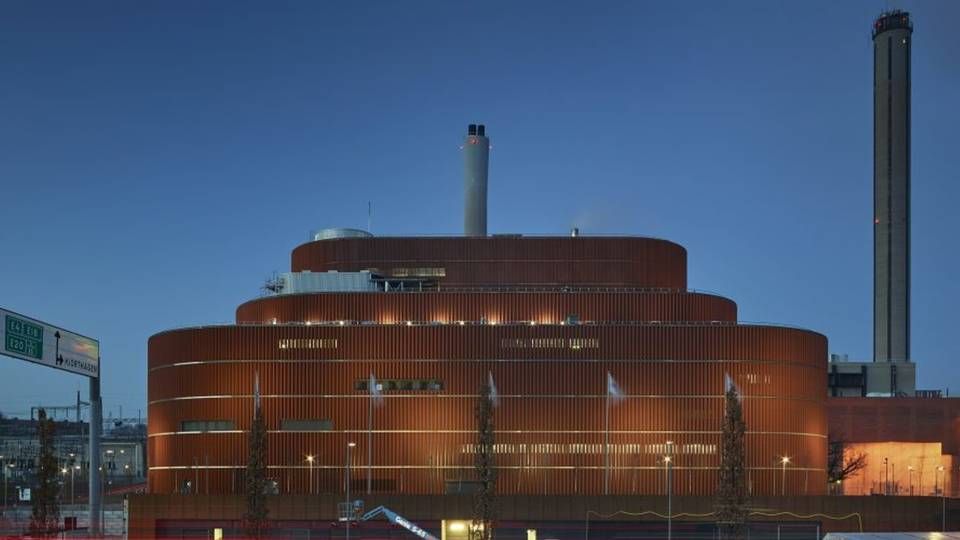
{"x": 497, "y": 360}
{"x": 473, "y": 396}
{"x": 307, "y": 343}
{"x": 472, "y": 467}
{"x": 501, "y": 432}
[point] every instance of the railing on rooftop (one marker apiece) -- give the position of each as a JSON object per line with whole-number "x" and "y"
{"x": 529, "y": 288}
{"x": 460, "y": 236}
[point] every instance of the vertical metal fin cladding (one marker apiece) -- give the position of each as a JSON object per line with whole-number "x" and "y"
{"x": 892, "y": 33}
{"x": 476, "y": 159}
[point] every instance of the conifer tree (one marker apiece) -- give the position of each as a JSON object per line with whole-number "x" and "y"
{"x": 484, "y": 499}
{"x": 255, "y": 518}
{"x": 45, "y": 517}
{"x": 731, "y": 505}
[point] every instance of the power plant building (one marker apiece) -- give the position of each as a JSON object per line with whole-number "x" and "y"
{"x": 603, "y": 362}
{"x": 546, "y": 318}
{"x": 368, "y": 357}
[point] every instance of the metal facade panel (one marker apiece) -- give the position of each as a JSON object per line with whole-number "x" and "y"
{"x": 615, "y": 261}
{"x": 449, "y": 307}
{"x": 550, "y": 426}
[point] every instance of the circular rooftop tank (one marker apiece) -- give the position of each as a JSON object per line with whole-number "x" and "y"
{"x": 340, "y": 232}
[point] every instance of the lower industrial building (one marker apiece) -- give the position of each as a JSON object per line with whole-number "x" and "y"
{"x": 603, "y": 362}
{"x": 911, "y": 445}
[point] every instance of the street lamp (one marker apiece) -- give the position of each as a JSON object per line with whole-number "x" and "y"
{"x": 910, "y": 468}
{"x": 668, "y": 460}
{"x": 783, "y": 475}
{"x": 886, "y": 476}
{"x": 350, "y": 446}
{"x": 6, "y": 475}
{"x": 943, "y": 501}
{"x": 72, "y": 470}
{"x": 310, "y": 463}
{"x": 896, "y": 486}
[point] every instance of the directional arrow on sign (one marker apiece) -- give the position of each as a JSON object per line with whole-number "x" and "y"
{"x": 59, "y": 357}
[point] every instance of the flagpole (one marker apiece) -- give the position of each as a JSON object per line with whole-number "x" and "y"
{"x": 370, "y": 443}
{"x": 606, "y": 445}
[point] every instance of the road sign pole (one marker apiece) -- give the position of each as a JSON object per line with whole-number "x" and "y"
{"x": 28, "y": 339}
{"x": 96, "y": 423}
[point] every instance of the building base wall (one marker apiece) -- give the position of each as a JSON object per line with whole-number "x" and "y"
{"x": 156, "y": 516}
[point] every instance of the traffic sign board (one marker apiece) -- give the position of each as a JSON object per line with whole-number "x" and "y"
{"x": 23, "y": 337}
{"x": 41, "y": 343}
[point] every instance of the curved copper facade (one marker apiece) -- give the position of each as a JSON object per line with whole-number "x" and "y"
{"x": 443, "y": 307}
{"x": 668, "y": 351}
{"x": 511, "y": 260}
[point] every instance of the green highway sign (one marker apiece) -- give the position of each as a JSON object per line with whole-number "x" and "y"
{"x": 34, "y": 341}
{"x": 23, "y": 337}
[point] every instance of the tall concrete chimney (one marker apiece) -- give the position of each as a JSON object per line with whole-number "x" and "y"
{"x": 892, "y": 33}
{"x": 476, "y": 160}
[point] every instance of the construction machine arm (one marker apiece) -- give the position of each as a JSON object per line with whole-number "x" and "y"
{"x": 393, "y": 517}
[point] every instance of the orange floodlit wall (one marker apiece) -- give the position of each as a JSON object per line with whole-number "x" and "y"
{"x": 556, "y": 430}
{"x": 913, "y": 432}
{"x": 902, "y": 468}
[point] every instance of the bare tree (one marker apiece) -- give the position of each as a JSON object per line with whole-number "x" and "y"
{"x": 843, "y": 462}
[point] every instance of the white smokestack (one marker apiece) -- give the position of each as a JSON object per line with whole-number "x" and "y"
{"x": 476, "y": 161}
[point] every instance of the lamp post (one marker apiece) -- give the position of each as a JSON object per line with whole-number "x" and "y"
{"x": 310, "y": 465}
{"x": 63, "y": 471}
{"x": 896, "y": 485}
{"x": 783, "y": 475}
{"x": 350, "y": 446}
{"x": 3, "y": 470}
{"x": 103, "y": 489}
{"x": 72, "y": 470}
{"x": 886, "y": 476}
{"x": 943, "y": 501}
{"x": 70, "y": 466}
{"x": 6, "y": 476}
{"x": 668, "y": 460}
{"x": 910, "y": 468}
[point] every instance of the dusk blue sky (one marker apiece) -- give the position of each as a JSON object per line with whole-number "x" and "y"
{"x": 158, "y": 160}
